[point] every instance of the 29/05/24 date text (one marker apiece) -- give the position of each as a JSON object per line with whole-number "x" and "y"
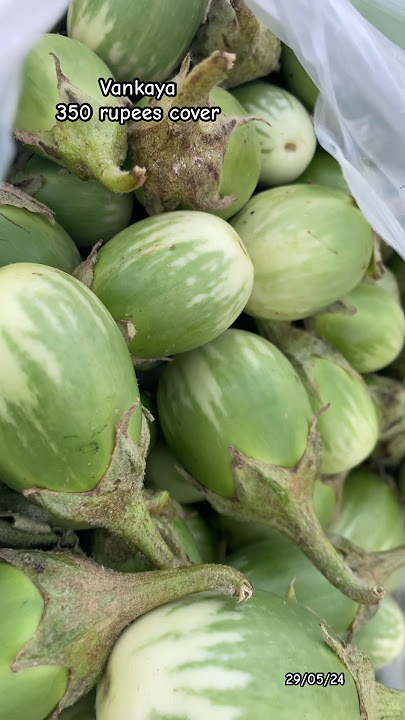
{"x": 309, "y": 678}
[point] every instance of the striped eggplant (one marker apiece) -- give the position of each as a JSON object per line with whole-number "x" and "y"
{"x": 309, "y": 245}
{"x": 212, "y": 164}
{"x": 383, "y": 638}
{"x": 85, "y": 209}
{"x": 60, "y": 615}
{"x": 32, "y": 692}
{"x": 60, "y": 70}
{"x": 297, "y": 79}
{"x": 368, "y": 326}
{"x": 238, "y": 418}
{"x": 274, "y": 566}
{"x": 371, "y": 514}
{"x": 29, "y": 233}
{"x": 287, "y": 139}
{"x": 207, "y": 658}
{"x": 232, "y": 392}
{"x": 324, "y": 170}
{"x": 66, "y": 380}
{"x": 70, "y": 416}
{"x": 200, "y": 273}
{"x": 349, "y": 426}
{"x": 145, "y": 40}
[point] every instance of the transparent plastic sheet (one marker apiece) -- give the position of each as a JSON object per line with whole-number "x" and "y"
{"x": 21, "y": 22}
{"x": 360, "y": 114}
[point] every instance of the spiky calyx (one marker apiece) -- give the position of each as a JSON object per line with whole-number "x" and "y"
{"x": 282, "y": 498}
{"x": 376, "y": 702}
{"x": 231, "y": 27}
{"x": 91, "y": 150}
{"x": 87, "y": 606}
{"x": 184, "y": 160}
{"x": 119, "y": 504}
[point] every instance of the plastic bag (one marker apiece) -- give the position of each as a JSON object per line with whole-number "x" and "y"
{"x": 359, "y": 117}
{"x": 360, "y": 114}
{"x": 20, "y": 24}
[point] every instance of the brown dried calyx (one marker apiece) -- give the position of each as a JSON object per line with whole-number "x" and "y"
{"x": 231, "y": 27}
{"x": 184, "y": 160}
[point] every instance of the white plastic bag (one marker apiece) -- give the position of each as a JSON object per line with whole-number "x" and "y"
{"x": 360, "y": 113}
{"x": 21, "y": 22}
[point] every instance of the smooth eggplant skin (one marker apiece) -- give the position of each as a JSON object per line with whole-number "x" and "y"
{"x": 242, "y": 162}
{"x": 324, "y": 170}
{"x": 32, "y": 693}
{"x": 349, "y": 427}
{"x": 297, "y": 79}
{"x": 85, "y": 208}
{"x": 273, "y": 564}
{"x": 146, "y": 39}
{"x": 382, "y": 639}
{"x": 181, "y": 278}
{"x": 309, "y": 245}
{"x": 372, "y": 334}
{"x": 238, "y": 391}
{"x": 287, "y": 138}
{"x": 66, "y": 380}
{"x": 370, "y": 515}
{"x": 30, "y": 237}
{"x": 208, "y": 657}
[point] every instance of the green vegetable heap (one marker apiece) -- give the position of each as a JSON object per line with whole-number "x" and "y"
{"x": 202, "y": 386}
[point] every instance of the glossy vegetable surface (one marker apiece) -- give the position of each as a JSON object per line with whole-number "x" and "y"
{"x": 242, "y": 161}
{"x": 33, "y": 692}
{"x": 287, "y": 139}
{"x": 370, "y": 515}
{"x": 291, "y": 233}
{"x": 297, "y": 79}
{"x": 199, "y": 397}
{"x": 30, "y": 237}
{"x": 85, "y": 209}
{"x": 66, "y": 381}
{"x": 200, "y": 273}
{"x": 123, "y": 33}
{"x": 212, "y": 658}
{"x": 369, "y": 330}
{"x": 324, "y": 170}
{"x": 383, "y": 638}
{"x": 349, "y": 428}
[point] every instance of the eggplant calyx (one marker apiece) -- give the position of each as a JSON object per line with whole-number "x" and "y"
{"x": 376, "y": 702}
{"x": 282, "y": 498}
{"x": 118, "y": 503}
{"x": 93, "y": 149}
{"x": 86, "y": 607}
